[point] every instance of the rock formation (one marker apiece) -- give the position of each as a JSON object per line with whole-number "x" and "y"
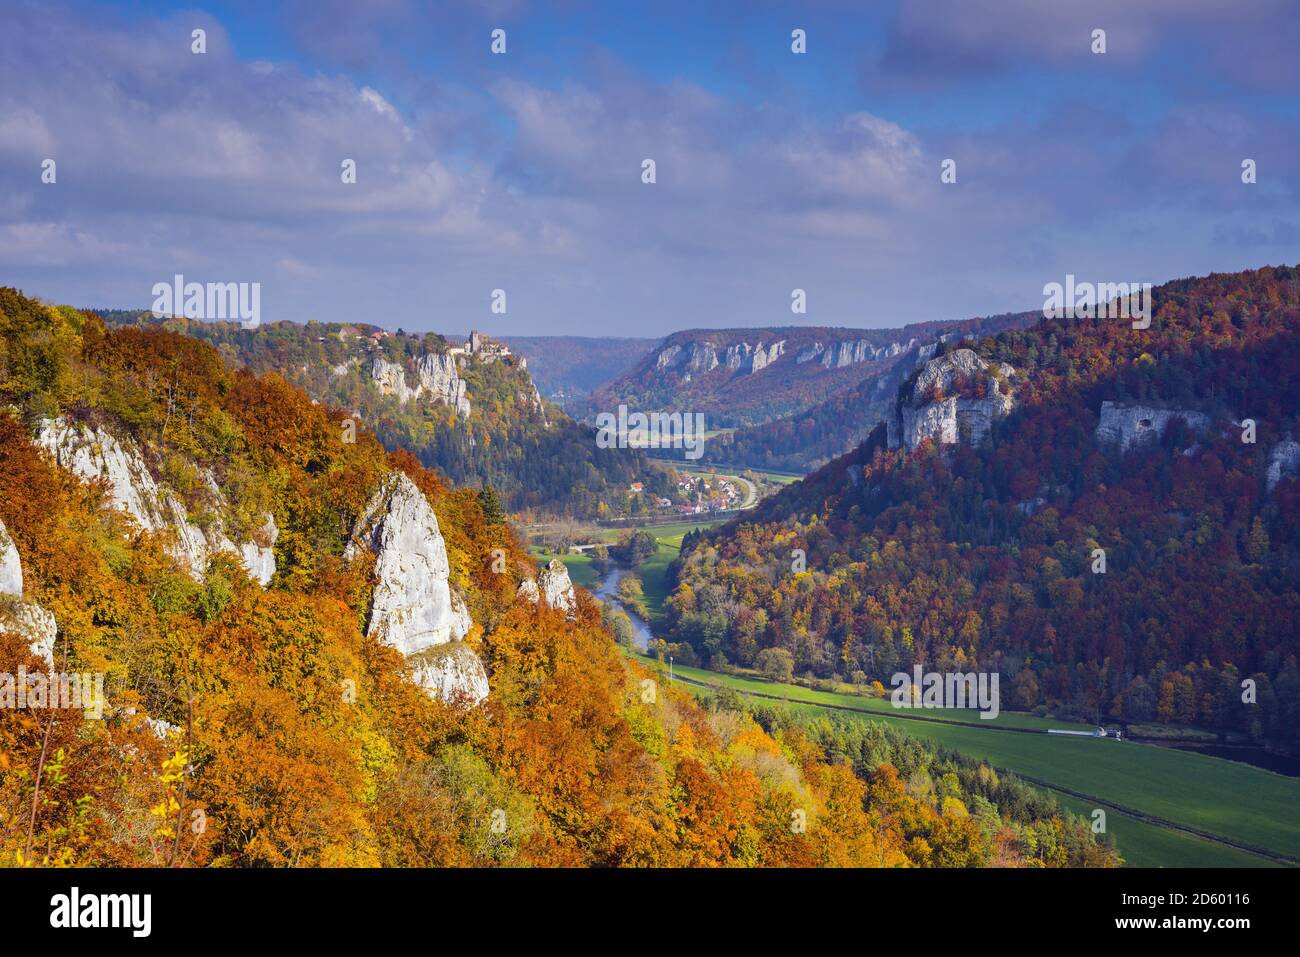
{"x": 955, "y": 398}
{"x": 413, "y": 608}
{"x": 1282, "y": 461}
{"x": 450, "y": 672}
{"x": 92, "y": 453}
{"x": 852, "y": 351}
{"x": 764, "y": 358}
{"x": 1126, "y": 425}
{"x": 436, "y": 377}
{"x": 553, "y": 587}
{"x": 440, "y": 380}
{"x": 25, "y": 618}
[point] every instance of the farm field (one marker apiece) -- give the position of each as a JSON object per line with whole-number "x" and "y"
{"x": 1150, "y": 845}
{"x": 796, "y": 693}
{"x": 1232, "y": 801}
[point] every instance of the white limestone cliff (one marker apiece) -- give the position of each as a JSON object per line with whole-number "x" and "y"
{"x": 667, "y": 357}
{"x": 11, "y": 567}
{"x": 552, "y": 586}
{"x": 765, "y": 357}
{"x": 25, "y": 618}
{"x": 439, "y": 379}
{"x": 259, "y": 559}
{"x": 413, "y": 608}
{"x": 852, "y": 351}
{"x": 557, "y": 589}
{"x": 451, "y": 672}
{"x": 436, "y": 378}
{"x": 705, "y": 356}
{"x": 1126, "y": 425}
{"x": 1282, "y": 461}
{"x": 953, "y": 418}
{"x": 390, "y": 379}
{"x": 93, "y": 454}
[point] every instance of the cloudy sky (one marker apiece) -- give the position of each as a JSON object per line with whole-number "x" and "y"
{"x": 522, "y": 171}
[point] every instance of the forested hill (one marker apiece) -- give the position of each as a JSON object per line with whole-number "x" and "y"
{"x": 1123, "y": 544}
{"x": 317, "y": 653}
{"x": 745, "y": 377}
{"x": 812, "y": 437}
{"x": 472, "y": 413}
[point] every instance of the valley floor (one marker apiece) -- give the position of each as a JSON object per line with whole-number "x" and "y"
{"x": 1166, "y": 807}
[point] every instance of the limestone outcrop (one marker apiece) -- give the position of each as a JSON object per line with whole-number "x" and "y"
{"x": 852, "y": 351}
{"x": 955, "y": 399}
{"x": 1284, "y": 460}
{"x": 1125, "y": 425}
{"x": 25, "y": 618}
{"x": 552, "y": 586}
{"x": 451, "y": 672}
{"x": 440, "y": 380}
{"x": 413, "y": 608}
{"x": 436, "y": 378}
{"x": 92, "y": 453}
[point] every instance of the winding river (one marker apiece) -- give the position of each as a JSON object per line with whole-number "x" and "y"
{"x": 608, "y": 592}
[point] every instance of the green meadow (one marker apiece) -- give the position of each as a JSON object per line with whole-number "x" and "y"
{"x": 1232, "y": 801}
{"x": 653, "y": 571}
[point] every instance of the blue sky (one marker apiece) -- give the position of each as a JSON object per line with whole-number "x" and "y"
{"x": 521, "y": 172}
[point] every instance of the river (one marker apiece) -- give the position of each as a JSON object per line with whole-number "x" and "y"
{"x": 608, "y": 592}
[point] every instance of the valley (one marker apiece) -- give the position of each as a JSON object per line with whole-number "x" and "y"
{"x": 1143, "y": 788}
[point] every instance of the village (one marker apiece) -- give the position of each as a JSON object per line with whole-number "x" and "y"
{"x": 697, "y": 493}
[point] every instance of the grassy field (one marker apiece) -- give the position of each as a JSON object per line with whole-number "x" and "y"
{"x": 579, "y": 565}
{"x": 653, "y": 572}
{"x": 1233, "y": 801}
{"x": 1149, "y": 845}
{"x": 795, "y": 693}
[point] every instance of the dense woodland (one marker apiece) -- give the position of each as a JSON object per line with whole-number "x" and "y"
{"x": 811, "y": 438}
{"x": 539, "y": 460}
{"x": 273, "y": 766}
{"x": 965, "y": 559}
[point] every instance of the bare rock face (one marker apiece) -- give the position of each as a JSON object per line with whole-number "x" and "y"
{"x": 451, "y": 672}
{"x": 436, "y": 375}
{"x": 812, "y": 352}
{"x": 11, "y": 567}
{"x": 26, "y": 618}
{"x": 557, "y": 589}
{"x": 668, "y": 357}
{"x": 93, "y": 453}
{"x": 1283, "y": 460}
{"x": 260, "y": 559}
{"x": 529, "y": 591}
{"x": 390, "y": 379}
{"x": 852, "y": 351}
{"x": 439, "y": 379}
{"x": 1127, "y": 425}
{"x": 953, "y": 418}
{"x": 553, "y": 587}
{"x": 413, "y": 608}
{"x": 703, "y": 357}
{"x": 765, "y": 357}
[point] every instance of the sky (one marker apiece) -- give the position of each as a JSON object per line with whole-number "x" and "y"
{"x": 523, "y": 171}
